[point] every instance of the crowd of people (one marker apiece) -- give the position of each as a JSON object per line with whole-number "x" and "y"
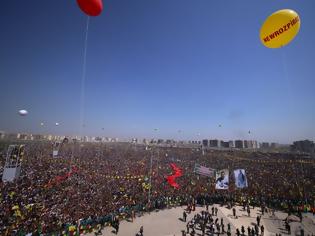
{"x": 208, "y": 223}
{"x": 115, "y": 181}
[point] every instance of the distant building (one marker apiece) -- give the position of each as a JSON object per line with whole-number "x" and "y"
{"x": 251, "y": 144}
{"x": 231, "y": 144}
{"x": 274, "y": 145}
{"x": 160, "y": 141}
{"x": 98, "y": 139}
{"x": 48, "y": 137}
{"x": 246, "y": 142}
{"x": 224, "y": 144}
{"x": 264, "y": 145}
{"x": 86, "y": 139}
{"x": 2, "y": 134}
{"x": 37, "y": 137}
{"x": 239, "y": 144}
{"x": 134, "y": 140}
{"x": 205, "y": 142}
{"x": 170, "y": 141}
{"x": 214, "y": 143}
{"x": 22, "y": 136}
{"x": 10, "y": 136}
{"x": 303, "y": 146}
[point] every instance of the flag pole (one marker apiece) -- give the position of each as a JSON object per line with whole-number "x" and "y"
{"x": 149, "y": 193}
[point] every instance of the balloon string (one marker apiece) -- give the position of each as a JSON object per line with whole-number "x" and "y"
{"x": 82, "y": 106}
{"x": 285, "y": 70}
{"x": 82, "y": 94}
{"x": 286, "y": 74}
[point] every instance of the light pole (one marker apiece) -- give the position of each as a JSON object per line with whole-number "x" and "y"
{"x": 149, "y": 192}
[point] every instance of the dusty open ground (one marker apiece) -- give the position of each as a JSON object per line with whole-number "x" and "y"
{"x": 167, "y": 222}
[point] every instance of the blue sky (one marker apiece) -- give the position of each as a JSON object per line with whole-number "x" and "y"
{"x": 185, "y": 65}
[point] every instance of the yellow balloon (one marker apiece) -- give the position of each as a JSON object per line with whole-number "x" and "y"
{"x": 280, "y": 28}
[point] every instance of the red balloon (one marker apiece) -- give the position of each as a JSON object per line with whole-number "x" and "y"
{"x": 91, "y": 7}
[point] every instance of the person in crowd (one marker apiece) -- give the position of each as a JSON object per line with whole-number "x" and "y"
{"x": 243, "y": 230}
{"x": 141, "y": 231}
{"x": 229, "y": 227}
{"x": 187, "y": 227}
{"x": 184, "y": 216}
{"x": 216, "y": 211}
{"x": 262, "y": 230}
{"x": 258, "y": 220}
{"x": 248, "y": 211}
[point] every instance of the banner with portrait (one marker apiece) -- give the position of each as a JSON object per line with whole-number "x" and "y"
{"x": 240, "y": 178}
{"x": 222, "y": 179}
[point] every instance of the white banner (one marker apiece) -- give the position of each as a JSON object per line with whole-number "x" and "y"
{"x": 55, "y": 153}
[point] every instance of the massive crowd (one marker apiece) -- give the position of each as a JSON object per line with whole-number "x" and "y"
{"x": 112, "y": 181}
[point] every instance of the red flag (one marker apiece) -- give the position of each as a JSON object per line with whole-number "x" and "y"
{"x": 177, "y": 172}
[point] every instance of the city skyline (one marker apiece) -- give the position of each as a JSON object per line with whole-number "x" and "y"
{"x": 102, "y": 138}
{"x": 198, "y": 67}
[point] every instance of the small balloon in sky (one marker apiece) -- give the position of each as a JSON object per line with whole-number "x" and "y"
{"x": 23, "y": 112}
{"x": 280, "y": 28}
{"x": 57, "y": 123}
{"x": 41, "y": 124}
{"x": 91, "y": 7}
{"x": 248, "y": 131}
{"x": 220, "y": 125}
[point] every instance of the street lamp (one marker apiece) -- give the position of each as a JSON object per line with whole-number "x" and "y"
{"x": 149, "y": 193}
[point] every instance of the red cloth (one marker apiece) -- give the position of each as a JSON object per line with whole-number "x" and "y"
{"x": 171, "y": 179}
{"x": 60, "y": 178}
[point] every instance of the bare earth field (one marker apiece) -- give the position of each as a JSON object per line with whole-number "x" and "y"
{"x": 167, "y": 222}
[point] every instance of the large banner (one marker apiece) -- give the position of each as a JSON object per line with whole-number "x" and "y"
{"x": 55, "y": 153}
{"x": 222, "y": 179}
{"x": 177, "y": 172}
{"x": 202, "y": 170}
{"x": 240, "y": 178}
{"x": 56, "y": 147}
